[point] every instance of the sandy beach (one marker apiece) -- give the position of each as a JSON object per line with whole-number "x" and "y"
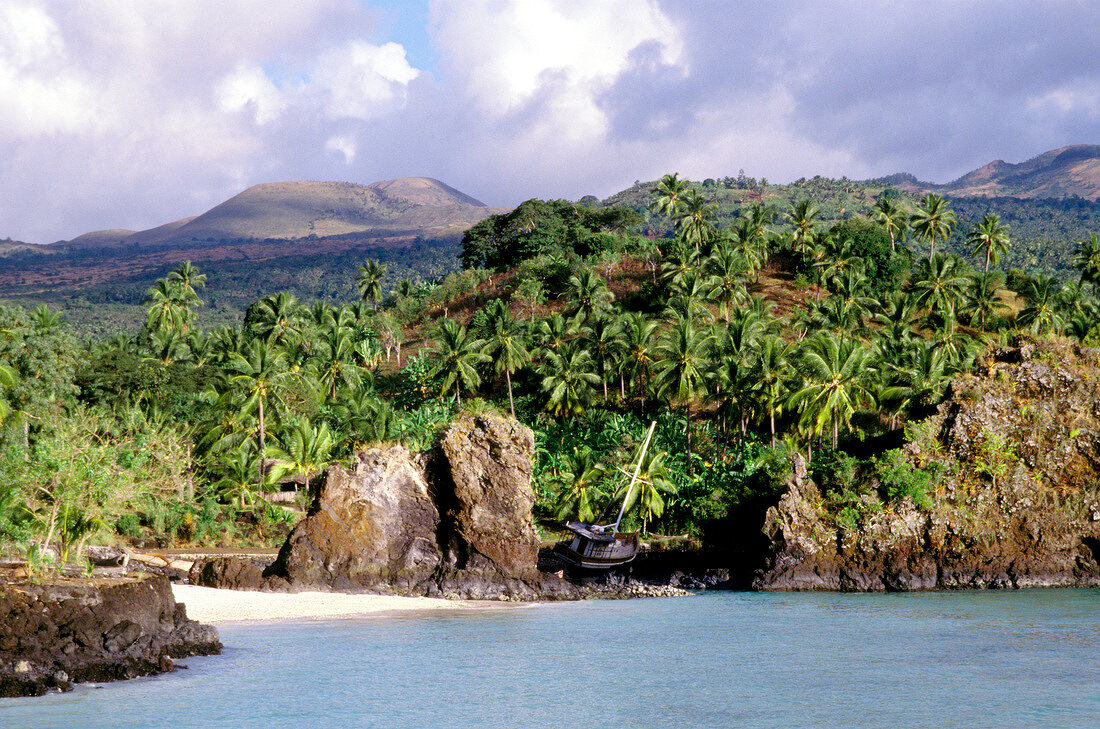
{"x": 208, "y": 605}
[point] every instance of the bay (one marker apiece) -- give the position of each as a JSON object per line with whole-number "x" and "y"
{"x": 945, "y": 659}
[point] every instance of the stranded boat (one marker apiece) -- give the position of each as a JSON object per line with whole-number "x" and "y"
{"x": 601, "y": 547}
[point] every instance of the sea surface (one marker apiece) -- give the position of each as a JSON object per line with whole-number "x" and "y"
{"x": 947, "y": 659}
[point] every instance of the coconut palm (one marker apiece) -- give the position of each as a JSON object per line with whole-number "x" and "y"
{"x": 169, "y": 307}
{"x": 653, "y": 482}
{"x": 579, "y": 477}
{"x": 726, "y": 269}
{"x": 589, "y": 295}
{"x": 506, "y": 345}
{"x": 990, "y": 239}
{"x": 637, "y": 363}
{"x": 690, "y": 297}
{"x": 941, "y": 286}
{"x": 335, "y": 364}
{"x": 933, "y": 221}
{"x": 277, "y": 318}
{"x": 188, "y": 278}
{"x": 696, "y": 223}
{"x": 259, "y": 374}
{"x": 772, "y": 371}
{"x": 670, "y": 193}
{"x": 803, "y": 217}
{"x": 1086, "y": 258}
{"x": 982, "y": 296}
{"x": 304, "y": 450}
{"x": 455, "y": 355}
{"x": 1042, "y": 313}
{"x": 892, "y": 218}
{"x": 369, "y": 281}
{"x": 682, "y": 363}
{"x": 568, "y": 380}
{"x": 833, "y": 369}
{"x": 555, "y": 330}
{"x": 604, "y": 340}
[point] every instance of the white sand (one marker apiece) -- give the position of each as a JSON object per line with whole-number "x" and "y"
{"x": 208, "y": 605}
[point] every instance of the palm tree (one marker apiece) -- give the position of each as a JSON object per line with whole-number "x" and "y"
{"x": 304, "y": 450}
{"x": 604, "y": 341}
{"x": 335, "y": 362}
{"x": 1086, "y": 258}
{"x": 803, "y": 218}
{"x": 670, "y": 193}
{"x": 690, "y": 297}
{"x": 555, "y": 330}
{"x": 506, "y": 345}
{"x": 773, "y": 364}
{"x": 696, "y": 223}
{"x": 568, "y": 380}
{"x": 941, "y": 286}
{"x": 1042, "y": 312}
{"x": 933, "y": 221}
{"x": 892, "y": 218}
{"x": 259, "y": 374}
{"x": 682, "y": 363}
{"x": 580, "y": 475}
{"x": 278, "y": 318}
{"x": 455, "y": 356}
{"x": 589, "y": 295}
{"x": 653, "y": 482}
{"x": 169, "y": 307}
{"x": 640, "y": 333}
{"x": 834, "y": 371}
{"x": 726, "y": 269}
{"x": 983, "y": 297}
{"x": 188, "y": 278}
{"x": 369, "y": 281}
{"x": 990, "y": 238}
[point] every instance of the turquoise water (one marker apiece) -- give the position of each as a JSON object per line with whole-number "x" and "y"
{"x": 957, "y": 659}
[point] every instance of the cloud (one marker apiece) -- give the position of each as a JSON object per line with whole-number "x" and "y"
{"x": 136, "y": 112}
{"x": 344, "y": 145}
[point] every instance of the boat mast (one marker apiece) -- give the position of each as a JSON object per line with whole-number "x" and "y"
{"x": 637, "y": 469}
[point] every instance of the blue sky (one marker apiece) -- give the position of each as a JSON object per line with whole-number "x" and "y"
{"x": 133, "y": 113}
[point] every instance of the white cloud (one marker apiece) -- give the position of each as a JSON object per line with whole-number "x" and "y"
{"x": 511, "y": 53}
{"x": 250, "y": 89}
{"x": 362, "y": 81}
{"x": 343, "y": 144}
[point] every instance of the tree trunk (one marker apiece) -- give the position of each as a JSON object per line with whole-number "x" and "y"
{"x": 508, "y": 378}
{"x": 263, "y": 451}
{"x": 687, "y": 411}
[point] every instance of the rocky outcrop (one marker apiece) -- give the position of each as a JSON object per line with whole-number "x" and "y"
{"x": 453, "y": 522}
{"x": 1016, "y": 502}
{"x": 65, "y": 630}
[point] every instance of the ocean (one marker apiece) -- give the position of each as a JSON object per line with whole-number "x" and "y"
{"x": 944, "y": 659}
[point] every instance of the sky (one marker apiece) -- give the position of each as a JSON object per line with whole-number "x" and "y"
{"x": 133, "y": 113}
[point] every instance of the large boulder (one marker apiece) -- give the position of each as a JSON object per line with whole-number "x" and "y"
{"x": 455, "y": 522}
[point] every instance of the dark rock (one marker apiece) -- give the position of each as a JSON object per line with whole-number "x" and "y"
{"x": 66, "y": 631}
{"x": 456, "y": 522}
{"x": 1031, "y": 527}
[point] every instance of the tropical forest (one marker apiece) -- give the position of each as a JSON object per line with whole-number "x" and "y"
{"x": 754, "y": 330}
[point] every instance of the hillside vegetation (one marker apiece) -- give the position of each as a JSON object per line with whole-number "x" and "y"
{"x": 748, "y": 341}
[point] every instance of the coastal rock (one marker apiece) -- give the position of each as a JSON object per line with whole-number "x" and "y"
{"x": 454, "y": 522}
{"x": 1021, "y": 445}
{"x": 62, "y": 631}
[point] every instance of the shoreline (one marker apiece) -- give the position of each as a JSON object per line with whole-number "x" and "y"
{"x": 227, "y": 607}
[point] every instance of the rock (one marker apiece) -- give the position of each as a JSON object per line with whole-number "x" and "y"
{"x": 454, "y": 522}
{"x": 1032, "y": 527}
{"x": 63, "y": 631}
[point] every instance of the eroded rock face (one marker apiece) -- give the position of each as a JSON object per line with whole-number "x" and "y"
{"x": 373, "y": 525}
{"x": 1032, "y": 419}
{"x": 68, "y": 631}
{"x": 454, "y": 522}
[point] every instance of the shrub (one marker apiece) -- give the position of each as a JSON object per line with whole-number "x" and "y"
{"x": 899, "y": 479}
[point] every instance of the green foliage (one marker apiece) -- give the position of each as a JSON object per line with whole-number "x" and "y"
{"x": 543, "y": 227}
{"x": 883, "y": 266}
{"x": 899, "y": 479}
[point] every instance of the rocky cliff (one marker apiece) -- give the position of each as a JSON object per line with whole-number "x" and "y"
{"x": 65, "y": 630}
{"x": 454, "y": 522}
{"x": 1011, "y": 461}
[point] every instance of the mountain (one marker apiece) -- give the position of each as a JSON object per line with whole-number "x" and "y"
{"x": 296, "y": 210}
{"x": 1072, "y": 171}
